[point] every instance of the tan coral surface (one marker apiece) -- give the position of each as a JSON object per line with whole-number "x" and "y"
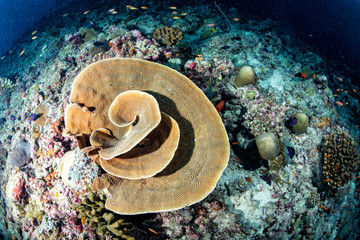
{"x": 203, "y": 150}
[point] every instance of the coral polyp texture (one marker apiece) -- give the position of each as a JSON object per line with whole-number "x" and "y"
{"x": 162, "y": 147}
{"x": 341, "y": 159}
{"x": 170, "y": 36}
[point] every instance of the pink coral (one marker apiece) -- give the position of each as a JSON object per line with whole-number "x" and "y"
{"x": 18, "y": 190}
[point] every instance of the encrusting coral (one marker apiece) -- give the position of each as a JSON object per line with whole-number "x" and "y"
{"x": 341, "y": 159}
{"x": 170, "y": 36}
{"x": 200, "y": 155}
{"x": 93, "y": 213}
{"x": 268, "y": 145}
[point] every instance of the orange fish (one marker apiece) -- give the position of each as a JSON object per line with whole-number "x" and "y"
{"x": 211, "y": 24}
{"x": 222, "y": 67}
{"x": 199, "y": 59}
{"x": 34, "y": 37}
{"x": 220, "y": 105}
{"x": 153, "y": 231}
{"x": 262, "y": 69}
{"x": 248, "y": 179}
{"x": 22, "y": 52}
{"x": 339, "y": 103}
{"x": 51, "y": 151}
{"x": 317, "y": 150}
{"x": 237, "y": 159}
{"x": 345, "y": 206}
{"x": 144, "y": 7}
{"x": 200, "y": 55}
{"x": 314, "y": 76}
{"x": 23, "y": 96}
{"x": 173, "y": 7}
{"x": 327, "y": 180}
{"x": 236, "y": 19}
{"x": 340, "y": 79}
{"x": 354, "y": 90}
{"x": 331, "y": 134}
{"x": 176, "y": 17}
{"x": 294, "y": 173}
{"x": 323, "y": 208}
{"x": 86, "y": 12}
{"x": 183, "y": 14}
{"x": 83, "y": 220}
{"x": 234, "y": 143}
{"x": 329, "y": 155}
{"x": 301, "y": 75}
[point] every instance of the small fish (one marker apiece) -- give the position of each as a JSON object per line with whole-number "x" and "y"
{"x": 32, "y": 117}
{"x": 301, "y": 75}
{"x": 12, "y": 118}
{"x": 23, "y": 96}
{"x": 2, "y": 57}
{"x": 200, "y": 69}
{"x": 173, "y": 7}
{"x": 34, "y": 32}
{"x": 266, "y": 178}
{"x": 98, "y": 44}
{"x": 174, "y": 12}
{"x": 294, "y": 173}
{"x": 13, "y": 237}
{"x": 153, "y": 231}
{"x": 339, "y": 103}
{"x": 144, "y": 7}
{"x": 317, "y": 150}
{"x": 57, "y": 194}
{"x": 220, "y": 105}
{"x": 22, "y": 52}
{"x": 225, "y": 47}
{"x": 238, "y": 159}
{"x": 222, "y": 67}
{"x": 248, "y": 179}
{"x": 235, "y": 143}
{"x": 183, "y": 14}
{"x": 329, "y": 155}
{"x": 64, "y": 15}
{"x": 346, "y": 206}
{"x": 83, "y": 220}
{"x": 50, "y": 152}
{"x": 214, "y": 30}
{"x": 340, "y": 79}
{"x": 262, "y": 70}
{"x": 131, "y": 7}
{"x": 327, "y": 180}
{"x": 176, "y": 17}
{"x": 236, "y": 19}
{"x": 43, "y": 48}
{"x": 323, "y": 208}
{"x": 211, "y": 24}
{"x": 200, "y": 55}
{"x": 314, "y": 76}
{"x": 335, "y": 95}
{"x": 199, "y": 59}
{"x": 111, "y": 10}
{"x": 115, "y": 12}
{"x": 290, "y": 151}
{"x": 38, "y": 153}
{"x": 331, "y": 134}
{"x": 354, "y": 90}
{"x": 34, "y": 37}
{"x": 86, "y": 12}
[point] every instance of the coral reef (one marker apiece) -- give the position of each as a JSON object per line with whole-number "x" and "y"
{"x": 92, "y": 212}
{"x": 170, "y": 36}
{"x": 341, "y": 159}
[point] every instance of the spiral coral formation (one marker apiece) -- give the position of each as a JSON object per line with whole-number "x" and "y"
{"x": 162, "y": 147}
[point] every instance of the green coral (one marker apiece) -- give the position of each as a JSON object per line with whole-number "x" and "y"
{"x": 105, "y": 223}
{"x": 250, "y": 95}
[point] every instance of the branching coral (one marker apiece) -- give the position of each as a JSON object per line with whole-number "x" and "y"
{"x": 341, "y": 158}
{"x": 93, "y": 213}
